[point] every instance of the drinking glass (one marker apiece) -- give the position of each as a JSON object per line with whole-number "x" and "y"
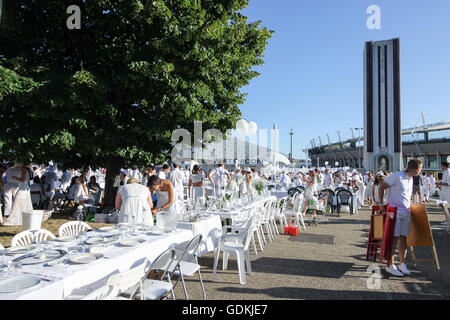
{"x": 16, "y": 267}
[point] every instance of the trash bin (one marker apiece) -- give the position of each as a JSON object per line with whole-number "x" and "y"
{"x": 31, "y": 220}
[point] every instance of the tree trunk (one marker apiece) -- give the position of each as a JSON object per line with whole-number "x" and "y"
{"x": 112, "y": 170}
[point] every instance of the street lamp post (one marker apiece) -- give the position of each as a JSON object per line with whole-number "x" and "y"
{"x": 290, "y": 154}
{"x": 359, "y": 149}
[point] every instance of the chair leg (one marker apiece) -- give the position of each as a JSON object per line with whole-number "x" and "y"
{"x": 201, "y": 283}
{"x": 216, "y": 262}
{"x": 184, "y": 286}
{"x": 241, "y": 266}
{"x": 261, "y": 232}
{"x": 253, "y": 243}
{"x": 225, "y": 260}
{"x": 248, "y": 262}
{"x": 259, "y": 239}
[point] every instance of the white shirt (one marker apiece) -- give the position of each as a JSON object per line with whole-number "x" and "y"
{"x": 162, "y": 175}
{"x": 177, "y": 178}
{"x": 399, "y": 193}
{"x": 219, "y": 176}
{"x": 446, "y": 179}
{"x": 327, "y": 180}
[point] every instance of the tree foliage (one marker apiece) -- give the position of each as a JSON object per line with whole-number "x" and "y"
{"x": 116, "y": 89}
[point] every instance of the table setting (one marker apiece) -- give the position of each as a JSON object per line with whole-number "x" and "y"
{"x": 81, "y": 260}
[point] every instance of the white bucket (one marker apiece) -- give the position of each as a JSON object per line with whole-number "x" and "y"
{"x": 31, "y": 220}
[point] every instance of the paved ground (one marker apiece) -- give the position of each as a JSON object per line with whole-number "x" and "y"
{"x": 299, "y": 270}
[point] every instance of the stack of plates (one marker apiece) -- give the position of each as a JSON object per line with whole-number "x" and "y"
{"x": 41, "y": 257}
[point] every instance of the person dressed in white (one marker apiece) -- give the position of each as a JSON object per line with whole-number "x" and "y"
{"x": 11, "y": 187}
{"x": 166, "y": 211}
{"x": 219, "y": 178}
{"x": 285, "y": 180}
{"x": 361, "y": 190}
{"x": 327, "y": 179}
{"x": 426, "y": 187}
{"x": 248, "y": 179}
{"x": 400, "y": 189}
{"x": 240, "y": 181}
{"x": 197, "y": 184}
{"x": 444, "y": 184}
{"x": 368, "y": 180}
{"x": 177, "y": 178}
{"x": 22, "y": 198}
{"x": 134, "y": 203}
{"x": 163, "y": 174}
{"x": 66, "y": 178}
{"x": 379, "y": 178}
{"x": 432, "y": 185}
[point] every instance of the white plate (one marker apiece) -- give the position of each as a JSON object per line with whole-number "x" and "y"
{"x": 42, "y": 257}
{"x": 100, "y": 240}
{"x": 18, "y": 283}
{"x": 109, "y": 228}
{"x": 19, "y": 250}
{"x": 131, "y": 242}
{"x": 86, "y": 258}
{"x": 160, "y": 232}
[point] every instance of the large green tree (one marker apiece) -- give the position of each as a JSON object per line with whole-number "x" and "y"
{"x": 111, "y": 93}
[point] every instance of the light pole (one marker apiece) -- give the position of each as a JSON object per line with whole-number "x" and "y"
{"x": 359, "y": 149}
{"x": 290, "y": 154}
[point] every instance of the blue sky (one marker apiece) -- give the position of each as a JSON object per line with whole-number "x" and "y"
{"x": 312, "y": 80}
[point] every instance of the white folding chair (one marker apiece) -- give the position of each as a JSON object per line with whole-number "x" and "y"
{"x": 72, "y": 228}
{"x": 26, "y": 237}
{"x": 186, "y": 267}
{"x": 157, "y": 289}
{"x": 127, "y": 281}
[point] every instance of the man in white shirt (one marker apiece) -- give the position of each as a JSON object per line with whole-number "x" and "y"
{"x": 327, "y": 179}
{"x": 164, "y": 172}
{"x": 400, "y": 188}
{"x": 177, "y": 178}
{"x": 219, "y": 178}
{"x": 425, "y": 187}
{"x": 444, "y": 184}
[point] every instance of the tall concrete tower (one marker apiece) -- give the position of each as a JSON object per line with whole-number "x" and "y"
{"x": 382, "y": 106}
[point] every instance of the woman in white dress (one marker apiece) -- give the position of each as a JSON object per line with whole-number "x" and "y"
{"x": 134, "y": 202}
{"x": 167, "y": 208}
{"x": 379, "y": 178}
{"x": 248, "y": 179}
{"x": 22, "y": 200}
{"x": 197, "y": 184}
{"x": 310, "y": 191}
{"x": 369, "y": 188}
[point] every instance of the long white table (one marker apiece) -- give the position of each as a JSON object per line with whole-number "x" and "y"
{"x": 210, "y": 228}
{"x": 234, "y": 212}
{"x": 68, "y": 279}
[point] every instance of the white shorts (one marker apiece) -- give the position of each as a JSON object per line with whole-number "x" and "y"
{"x": 402, "y": 227}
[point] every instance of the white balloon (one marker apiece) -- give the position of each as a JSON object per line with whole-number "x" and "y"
{"x": 252, "y": 127}
{"x": 242, "y": 126}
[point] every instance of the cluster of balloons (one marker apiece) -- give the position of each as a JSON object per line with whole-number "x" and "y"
{"x": 246, "y": 128}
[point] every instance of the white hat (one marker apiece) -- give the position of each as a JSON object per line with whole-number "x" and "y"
{"x": 380, "y": 174}
{"x": 247, "y": 169}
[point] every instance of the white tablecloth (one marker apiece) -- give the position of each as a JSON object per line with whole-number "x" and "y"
{"x": 79, "y": 279}
{"x": 233, "y": 213}
{"x": 210, "y": 228}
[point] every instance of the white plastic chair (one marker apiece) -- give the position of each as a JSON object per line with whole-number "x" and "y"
{"x": 72, "y": 228}
{"x": 237, "y": 246}
{"x": 99, "y": 294}
{"x": 296, "y": 214}
{"x": 265, "y": 221}
{"x": 26, "y": 237}
{"x": 279, "y": 213}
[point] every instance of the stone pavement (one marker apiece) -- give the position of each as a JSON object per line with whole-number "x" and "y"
{"x": 301, "y": 270}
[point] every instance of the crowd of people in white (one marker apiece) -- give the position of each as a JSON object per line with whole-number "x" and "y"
{"x": 144, "y": 195}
